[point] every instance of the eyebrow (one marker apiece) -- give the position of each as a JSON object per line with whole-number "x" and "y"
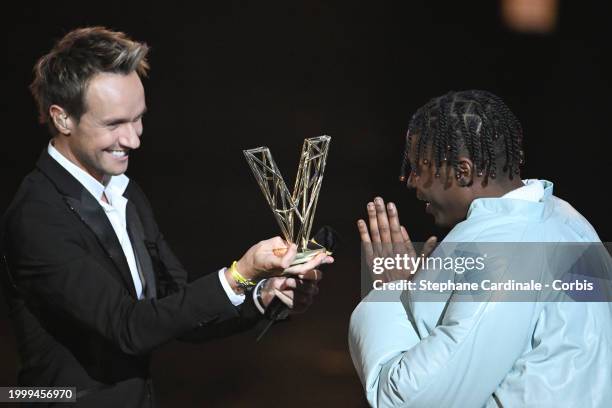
{"x": 118, "y": 121}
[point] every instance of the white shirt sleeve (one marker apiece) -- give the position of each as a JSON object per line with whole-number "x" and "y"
{"x": 239, "y": 299}
{"x": 233, "y": 296}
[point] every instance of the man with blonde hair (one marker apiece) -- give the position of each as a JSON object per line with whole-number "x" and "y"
{"x": 92, "y": 285}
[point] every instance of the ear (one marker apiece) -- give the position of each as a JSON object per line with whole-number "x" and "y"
{"x": 60, "y": 119}
{"x": 465, "y": 177}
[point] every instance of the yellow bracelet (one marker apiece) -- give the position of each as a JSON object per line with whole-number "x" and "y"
{"x": 240, "y": 280}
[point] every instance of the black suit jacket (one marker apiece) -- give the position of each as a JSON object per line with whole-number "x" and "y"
{"x": 72, "y": 300}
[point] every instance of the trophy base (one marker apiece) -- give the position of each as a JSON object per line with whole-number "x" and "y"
{"x": 308, "y": 254}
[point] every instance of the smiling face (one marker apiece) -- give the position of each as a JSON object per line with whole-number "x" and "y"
{"x": 446, "y": 199}
{"x": 100, "y": 141}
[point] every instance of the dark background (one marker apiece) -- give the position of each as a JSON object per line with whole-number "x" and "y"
{"x": 237, "y": 75}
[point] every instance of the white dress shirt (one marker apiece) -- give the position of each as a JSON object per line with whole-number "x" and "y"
{"x": 115, "y": 211}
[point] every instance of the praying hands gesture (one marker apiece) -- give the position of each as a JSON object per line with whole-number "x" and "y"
{"x": 386, "y": 238}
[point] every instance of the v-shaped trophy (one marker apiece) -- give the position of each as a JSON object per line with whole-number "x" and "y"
{"x": 293, "y": 211}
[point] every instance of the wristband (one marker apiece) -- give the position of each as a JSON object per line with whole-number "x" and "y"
{"x": 243, "y": 282}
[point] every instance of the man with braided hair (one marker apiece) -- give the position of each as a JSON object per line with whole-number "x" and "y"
{"x": 471, "y": 134}
{"x": 463, "y": 155}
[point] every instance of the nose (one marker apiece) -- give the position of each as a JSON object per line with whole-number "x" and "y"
{"x": 131, "y": 137}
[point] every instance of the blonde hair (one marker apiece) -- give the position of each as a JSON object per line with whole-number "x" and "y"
{"x": 61, "y": 76}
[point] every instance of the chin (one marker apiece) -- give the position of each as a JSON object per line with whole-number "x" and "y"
{"x": 439, "y": 223}
{"x": 115, "y": 170}
{"x": 443, "y": 222}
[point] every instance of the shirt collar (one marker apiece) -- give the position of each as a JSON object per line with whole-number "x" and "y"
{"x": 525, "y": 201}
{"x": 116, "y": 184}
{"x": 533, "y": 190}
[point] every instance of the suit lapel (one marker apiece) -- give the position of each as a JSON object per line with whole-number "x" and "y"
{"x": 136, "y": 232}
{"x": 90, "y": 212}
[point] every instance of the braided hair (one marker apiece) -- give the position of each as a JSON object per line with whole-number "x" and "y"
{"x": 473, "y": 123}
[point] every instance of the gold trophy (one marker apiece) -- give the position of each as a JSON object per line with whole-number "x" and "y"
{"x": 295, "y": 211}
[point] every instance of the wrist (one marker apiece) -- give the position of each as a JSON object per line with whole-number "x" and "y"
{"x": 238, "y": 282}
{"x": 245, "y": 269}
{"x": 232, "y": 282}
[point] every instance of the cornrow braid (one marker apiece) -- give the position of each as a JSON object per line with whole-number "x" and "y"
{"x": 424, "y": 140}
{"x": 442, "y": 133}
{"x": 470, "y": 129}
{"x": 485, "y": 133}
{"x": 475, "y": 123}
{"x": 515, "y": 150}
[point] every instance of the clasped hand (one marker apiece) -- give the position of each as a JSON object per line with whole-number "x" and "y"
{"x": 387, "y": 238}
